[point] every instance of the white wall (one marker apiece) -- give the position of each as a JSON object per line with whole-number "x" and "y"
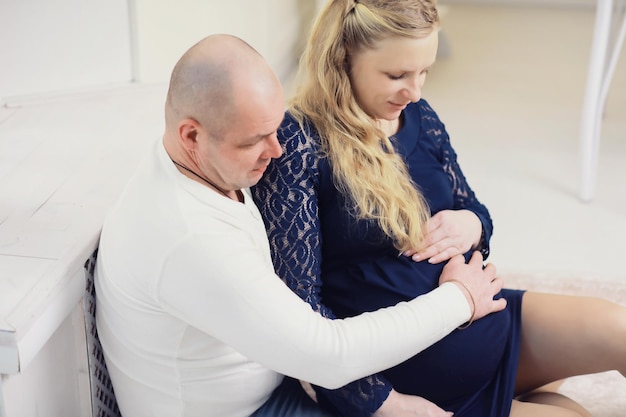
{"x": 65, "y": 45}
{"x": 48, "y": 46}
{"x": 165, "y": 29}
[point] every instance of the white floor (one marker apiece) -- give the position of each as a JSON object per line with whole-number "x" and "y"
{"x": 510, "y": 93}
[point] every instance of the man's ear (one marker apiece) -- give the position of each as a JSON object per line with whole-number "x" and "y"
{"x": 188, "y": 130}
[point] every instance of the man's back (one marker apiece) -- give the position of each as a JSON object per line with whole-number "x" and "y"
{"x": 157, "y": 307}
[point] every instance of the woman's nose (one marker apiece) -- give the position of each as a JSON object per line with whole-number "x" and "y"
{"x": 413, "y": 90}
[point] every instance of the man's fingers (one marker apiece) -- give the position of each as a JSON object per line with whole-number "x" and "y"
{"x": 498, "y": 283}
{"x": 499, "y": 304}
{"x": 457, "y": 259}
{"x": 490, "y": 269}
{"x": 477, "y": 258}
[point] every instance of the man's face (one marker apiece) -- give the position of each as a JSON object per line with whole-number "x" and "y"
{"x": 239, "y": 158}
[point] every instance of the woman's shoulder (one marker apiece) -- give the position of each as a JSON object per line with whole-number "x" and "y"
{"x": 423, "y": 112}
{"x": 426, "y": 121}
{"x": 292, "y": 124}
{"x": 289, "y": 122}
{"x": 300, "y": 145}
{"x": 296, "y": 134}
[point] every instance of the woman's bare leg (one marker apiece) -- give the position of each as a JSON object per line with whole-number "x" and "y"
{"x": 550, "y": 407}
{"x": 563, "y": 336}
{"x": 547, "y": 396}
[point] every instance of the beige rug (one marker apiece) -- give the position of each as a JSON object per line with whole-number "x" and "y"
{"x": 604, "y": 395}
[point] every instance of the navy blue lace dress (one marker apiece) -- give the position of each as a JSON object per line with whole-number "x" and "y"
{"x": 314, "y": 239}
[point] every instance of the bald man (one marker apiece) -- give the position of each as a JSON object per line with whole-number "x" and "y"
{"x": 191, "y": 316}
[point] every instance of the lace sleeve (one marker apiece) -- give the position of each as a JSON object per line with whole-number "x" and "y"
{"x": 287, "y": 197}
{"x": 464, "y": 196}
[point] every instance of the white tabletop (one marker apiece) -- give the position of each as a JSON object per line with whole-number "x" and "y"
{"x": 63, "y": 161}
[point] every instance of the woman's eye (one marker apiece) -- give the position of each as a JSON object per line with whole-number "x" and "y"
{"x": 395, "y": 77}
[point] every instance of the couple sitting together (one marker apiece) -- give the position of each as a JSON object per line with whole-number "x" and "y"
{"x": 326, "y": 261}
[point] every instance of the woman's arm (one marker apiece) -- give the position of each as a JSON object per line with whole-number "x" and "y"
{"x": 467, "y": 225}
{"x": 287, "y": 197}
{"x": 463, "y": 195}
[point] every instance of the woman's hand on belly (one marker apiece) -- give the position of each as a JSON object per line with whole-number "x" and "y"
{"x": 448, "y": 233}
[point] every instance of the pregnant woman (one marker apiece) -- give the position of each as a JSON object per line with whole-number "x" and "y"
{"x": 367, "y": 204}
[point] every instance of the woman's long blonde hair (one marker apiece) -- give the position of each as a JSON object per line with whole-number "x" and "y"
{"x": 366, "y": 168}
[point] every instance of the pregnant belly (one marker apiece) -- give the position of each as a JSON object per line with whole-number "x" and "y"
{"x": 449, "y": 371}
{"x": 457, "y": 366}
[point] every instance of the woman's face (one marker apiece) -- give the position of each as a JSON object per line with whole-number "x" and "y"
{"x": 389, "y": 76}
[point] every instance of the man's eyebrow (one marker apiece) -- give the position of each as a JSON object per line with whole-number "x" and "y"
{"x": 264, "y": 135}
{"x": 259, "y": 137}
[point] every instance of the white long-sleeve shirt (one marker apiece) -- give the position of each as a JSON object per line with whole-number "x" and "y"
{"x": 194, "y": 322}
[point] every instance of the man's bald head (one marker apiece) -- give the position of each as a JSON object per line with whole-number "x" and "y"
{"x": 209, "y": 79}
